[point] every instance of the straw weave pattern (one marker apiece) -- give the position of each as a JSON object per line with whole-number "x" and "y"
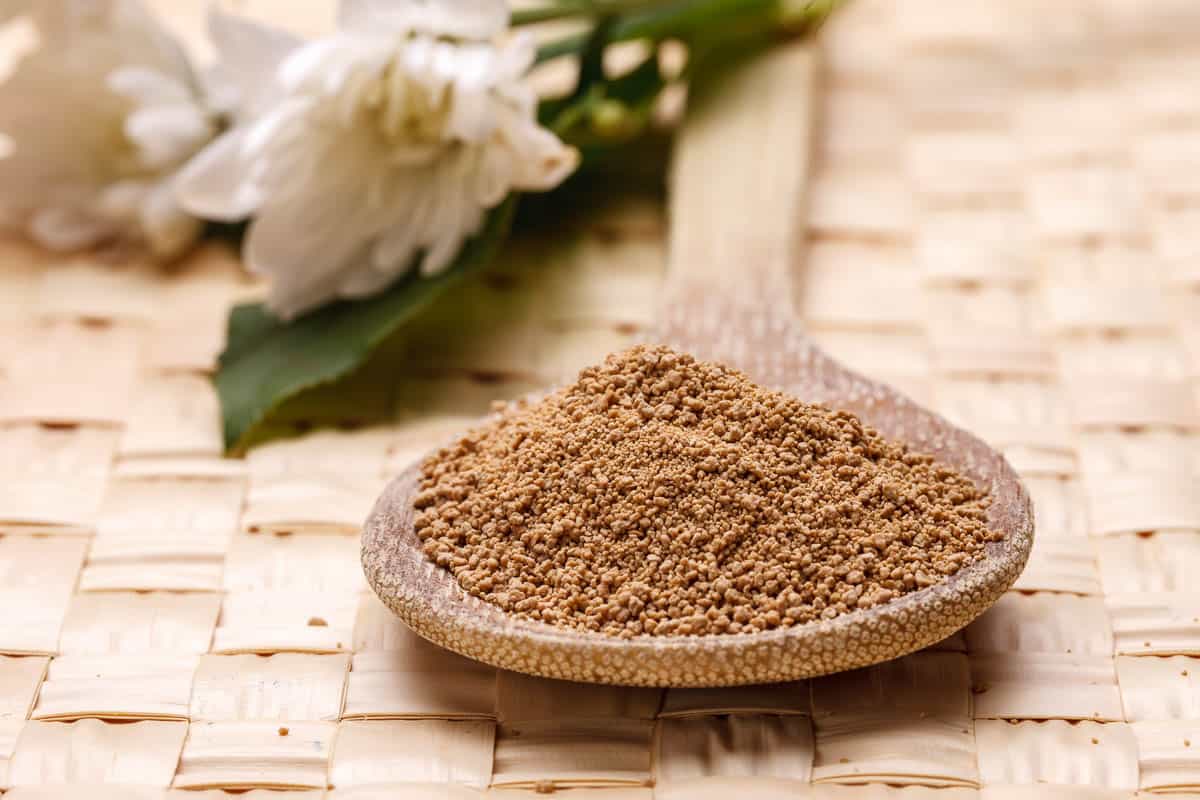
{"x": 1004, "y": 222}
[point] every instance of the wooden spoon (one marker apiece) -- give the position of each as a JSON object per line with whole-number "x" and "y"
{"x": 737, "y": 210}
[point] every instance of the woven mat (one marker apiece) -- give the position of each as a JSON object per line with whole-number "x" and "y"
{"x": 1005, "y": 223}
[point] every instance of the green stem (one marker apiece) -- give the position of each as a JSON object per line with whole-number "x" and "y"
{"x": 683, "y": 19}
{"x": 575, "y": 9}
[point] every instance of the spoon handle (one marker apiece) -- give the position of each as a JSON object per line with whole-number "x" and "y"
{"x": 738, "y": 187}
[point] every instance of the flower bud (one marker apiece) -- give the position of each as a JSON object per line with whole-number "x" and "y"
{"x": 613, "y": 119}
{"x": 800, "y": 14}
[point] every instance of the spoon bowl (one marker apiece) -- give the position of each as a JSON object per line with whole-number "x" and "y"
{"x": 429, "y": 600}
{"x": 728, "y": 300}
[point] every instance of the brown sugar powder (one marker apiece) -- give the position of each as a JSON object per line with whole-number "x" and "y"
{"x": 663, "y": 495}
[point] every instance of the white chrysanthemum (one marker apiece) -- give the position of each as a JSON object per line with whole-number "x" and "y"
{"x": 387, "y": 140}
{"x": 99, "y": 117}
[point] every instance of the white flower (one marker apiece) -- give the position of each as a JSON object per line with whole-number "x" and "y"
{"x": 388, "y": 139}
{"x": 100, "y": 116}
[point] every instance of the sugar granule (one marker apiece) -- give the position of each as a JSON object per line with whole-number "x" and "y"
{"x": 663, "y": 495}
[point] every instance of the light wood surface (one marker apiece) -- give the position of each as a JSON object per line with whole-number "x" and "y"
{"x": 1082, "y": 259}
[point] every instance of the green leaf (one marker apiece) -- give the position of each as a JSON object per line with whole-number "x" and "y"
{"x": 695, "y": 20}
{"x": 267, "y": 361}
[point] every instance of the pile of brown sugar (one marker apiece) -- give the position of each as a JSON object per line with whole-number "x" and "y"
{"x": 664, "y": 495}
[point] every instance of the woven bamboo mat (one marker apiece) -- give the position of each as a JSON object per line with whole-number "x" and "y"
{"x": 1005, "y": 223}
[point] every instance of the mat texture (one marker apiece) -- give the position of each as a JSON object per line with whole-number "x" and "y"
{"x": 1005, "y": 223}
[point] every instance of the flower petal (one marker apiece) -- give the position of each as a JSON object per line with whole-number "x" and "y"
{"x": 543, "y": 161}
{"x": 307, "y": 64}
{"x": 305, "y": 265}
{"x": 393, "y": 250}
{"x": 441, "y": 254}
{"x": 168, "y": 229}
{"x": 167, "y": 135}
{"x": 493, "y": 177}
{"x": 62, "y": 125}
{"x": 471, "y": 118}
{"x": 121, "y": 200}
{"x": 145, "y": 86}
{"x": 326, "y": 66}
{"x": 284, "y": 126}
{"x": 68, "y": 229}
{"x": 124, "y": 25}
{"x": 364, "y": 280}
{"x": 313, "y": 231}
{"x": 98, "y": 116}
{"x": 516, "y": 56}
{"x": 213, "y": 184}
{"x": 250, "y": 55}
{"x": 142, "y": 39}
